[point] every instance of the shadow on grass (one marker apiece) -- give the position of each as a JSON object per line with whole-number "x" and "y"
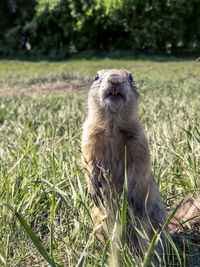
{"x": 187, "y": 242}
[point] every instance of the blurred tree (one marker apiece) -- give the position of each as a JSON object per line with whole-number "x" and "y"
{"x": 50, "y": 30}
{"x": 59, "y": 26}
{"x": 14, "y": 15}
{"x": 15, "y": 12}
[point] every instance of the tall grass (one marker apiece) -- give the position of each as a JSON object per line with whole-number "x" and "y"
{"x": 45, "y": 211}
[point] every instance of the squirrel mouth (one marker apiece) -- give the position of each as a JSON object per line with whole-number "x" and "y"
{"x": 115, "y": 96}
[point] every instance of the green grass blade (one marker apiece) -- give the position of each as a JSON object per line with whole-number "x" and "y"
{"x": 151, "y": 251}
{"x": 171, "y": 242}
{"x": 51, "y": 226}
{"x": 104, "y": 252}
{"x": 33, "y": 237}
{"x": 171, "y": 215}
{"x": 124, "y": 206}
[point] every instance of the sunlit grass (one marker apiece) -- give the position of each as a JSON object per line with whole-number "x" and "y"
{"x": 145, "y": 69}
{"x": 41, "y": 176}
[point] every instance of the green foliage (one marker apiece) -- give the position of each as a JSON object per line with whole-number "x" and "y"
{"x": 14, "y": 15}
{"x": 41, "y": 5}
{"x": 50, "y": 31}
{"x": 61, "y": 26}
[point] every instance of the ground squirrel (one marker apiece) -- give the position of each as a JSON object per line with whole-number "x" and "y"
{"x": 112, "y": 124}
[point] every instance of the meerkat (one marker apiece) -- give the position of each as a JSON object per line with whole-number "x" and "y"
{"x": 111, "y": 126}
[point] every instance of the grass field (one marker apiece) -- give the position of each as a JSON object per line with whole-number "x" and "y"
{"x": 42, "y": 108}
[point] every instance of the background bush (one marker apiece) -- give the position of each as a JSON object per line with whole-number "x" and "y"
{"x": 62, "y": 26}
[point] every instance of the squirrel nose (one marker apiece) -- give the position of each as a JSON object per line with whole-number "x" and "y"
{"x": 115, "y": 79}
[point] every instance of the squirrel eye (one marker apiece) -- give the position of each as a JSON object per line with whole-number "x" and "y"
{"x": 96, "y": 77}
{"x": 130, "y": 77}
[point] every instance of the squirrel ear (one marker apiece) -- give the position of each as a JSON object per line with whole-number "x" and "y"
{"x": 130, "y": 77}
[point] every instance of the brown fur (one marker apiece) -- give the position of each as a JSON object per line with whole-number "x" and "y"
{"x": 189, "y": 212}
{"x": 109, "y": 128}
